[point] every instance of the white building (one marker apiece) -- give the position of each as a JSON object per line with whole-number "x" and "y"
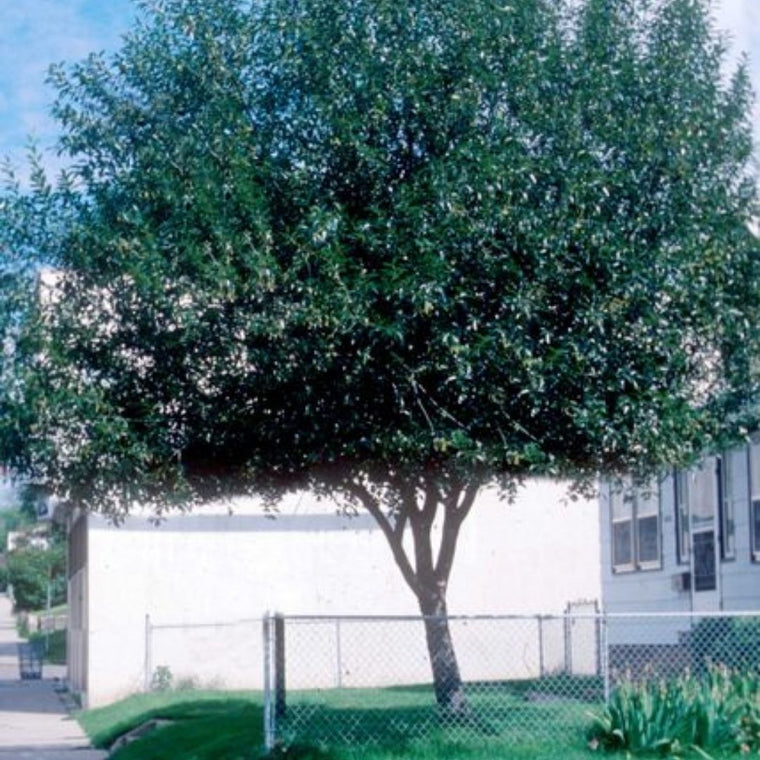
{"x": 202, "y": 581}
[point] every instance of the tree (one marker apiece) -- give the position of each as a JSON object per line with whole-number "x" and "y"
{"x": 37, "y": 572}
{"x": 389, "y": 251}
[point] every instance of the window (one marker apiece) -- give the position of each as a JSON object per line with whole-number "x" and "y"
{"x": 754, "y": 499}
{"x": 648, "y": 526}
{"x": 621, "y": 502}
{"x": 635, "y": 513}
{"x": 696, "y": 507}
{"x": 683, "y": 537}
{"x": 727, "y": 466}
{"x": 704, "y": 561}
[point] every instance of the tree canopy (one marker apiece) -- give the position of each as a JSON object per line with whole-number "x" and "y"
{"x": 387, "y": 250}
{"x": 509, "y": 237}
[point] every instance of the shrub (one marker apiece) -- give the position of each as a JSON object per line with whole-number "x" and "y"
{"x": 162, "y": 679}
{"x": 22, "y": 625}
{"x": 53, "y": 643}
{"x": 717, "y": 710}
{"x": 30, "y": 569}
{"x": 11, "y": 520}
{"x": 733, "y": 642}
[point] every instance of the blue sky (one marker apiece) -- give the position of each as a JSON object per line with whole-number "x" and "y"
{"x": 36, "y": 33}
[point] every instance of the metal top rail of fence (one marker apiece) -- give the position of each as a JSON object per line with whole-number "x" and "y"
{"x": 520, "y": 616}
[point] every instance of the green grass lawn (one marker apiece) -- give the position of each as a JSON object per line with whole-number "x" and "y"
{"x": 348, "y": 724}
{"x": 224, "y": 725}
{"x": 395, "y": 716}
{"x": 105, "y": 724}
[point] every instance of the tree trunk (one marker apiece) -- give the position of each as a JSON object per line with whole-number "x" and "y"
{"x": 401, "y": 501}
{"x": 447, "y": 680}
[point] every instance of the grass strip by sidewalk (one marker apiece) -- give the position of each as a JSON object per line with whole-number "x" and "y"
{"x": 106, "y": 724}
{"x": 520, "y": 721}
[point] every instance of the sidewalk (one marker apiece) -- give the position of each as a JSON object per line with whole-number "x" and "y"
{"x": 34, "y": 722}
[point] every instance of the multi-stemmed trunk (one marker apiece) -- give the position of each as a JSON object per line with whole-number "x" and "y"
{"x": 428, "y": 503}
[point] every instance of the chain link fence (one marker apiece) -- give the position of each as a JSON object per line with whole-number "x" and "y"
{"x": 367, "y": 680}
{"x": 223, "y": 656}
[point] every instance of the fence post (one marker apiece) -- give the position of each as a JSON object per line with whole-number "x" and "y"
{"x": 540, "y": 646}
{"x": 604, "y": 655}
{"x": 274, "y": 676}
{"x": 279, "y": 665}
{"x": 148, "y": 653}
{"x": 338, "y": 656}
{"x": 270, "y": 723}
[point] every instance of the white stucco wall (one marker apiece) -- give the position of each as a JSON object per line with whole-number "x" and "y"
{"x": 212, "y": 567}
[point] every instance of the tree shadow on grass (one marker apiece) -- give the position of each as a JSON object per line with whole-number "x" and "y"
{"x": 505, "y": 713}
{"x": 498, "y": 711}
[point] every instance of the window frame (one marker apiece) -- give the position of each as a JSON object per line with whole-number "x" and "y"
{"x": 621, "y": 567}
{"x": 634, "y": 494}
{"x": 726, "y": 510}
{"x": 705, "y": 582}
{"x": 648, "y": 494}
{"x": 754, "y": 504}
{"x": 698, "y": 515}
{"x": 681, "y": 500}
{"x": 754, "y": 531}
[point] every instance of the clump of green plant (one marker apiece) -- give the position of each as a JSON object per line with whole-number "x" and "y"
{"x": 162, "y": 679}
{"x": 747, "y": 689}
{"x": 53, "y": 643}
{"x": 718, "y": 710}
{"x": 187, "y": 683}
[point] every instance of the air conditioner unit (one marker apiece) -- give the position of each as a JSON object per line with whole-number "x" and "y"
{"x": 682, "y": 582}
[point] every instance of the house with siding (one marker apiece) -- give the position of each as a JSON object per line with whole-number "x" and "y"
{"x": 688, "y": 541}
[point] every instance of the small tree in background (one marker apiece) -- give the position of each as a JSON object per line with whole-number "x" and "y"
{"x": 389, "y": 252}
{"x": 38, "y": 574}
{"x": 18, "y": 515}
{"x": 11, "y": 520}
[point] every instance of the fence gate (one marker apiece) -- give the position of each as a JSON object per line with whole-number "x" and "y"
{"x": 582, "y": 639}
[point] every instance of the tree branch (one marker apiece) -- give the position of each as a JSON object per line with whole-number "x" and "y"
{"x": 432, "y": 499}
{"x": 423, "y": 546}
{"x": 392, "y": 535}
{"x": 455, "y": 511}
